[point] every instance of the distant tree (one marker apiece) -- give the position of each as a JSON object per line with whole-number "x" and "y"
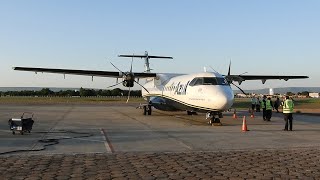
{"x": 116, "y": 92}
{"x": 106, "y": 93}
{"x": 290, "y": 94}
{"x": 46, "y": 92}
{"x": 68, "y": 93}
{"x": 82, "y": 91}
{"x": 305, "y": 93}
{"x": 103, "y": 92}
{"x": 136, "y": 93}
{"x": 87, "y": 92}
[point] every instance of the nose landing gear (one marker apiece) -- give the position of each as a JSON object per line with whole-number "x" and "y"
{"x": 214, "y": 118}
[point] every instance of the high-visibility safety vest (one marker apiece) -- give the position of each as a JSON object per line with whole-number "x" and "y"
{"x": 262, "y": 105}
{"x": 268, "y": 105}
{"x": 288, "y": 106}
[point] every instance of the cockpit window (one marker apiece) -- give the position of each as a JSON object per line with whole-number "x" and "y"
{"x": 222, "y": 81}
{"x": 208, "y": 81}
{"x": 199, "y": 81}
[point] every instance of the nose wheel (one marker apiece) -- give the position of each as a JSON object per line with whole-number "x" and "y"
{"x": 214, "y": 118}
{"x": 214, "y": 122}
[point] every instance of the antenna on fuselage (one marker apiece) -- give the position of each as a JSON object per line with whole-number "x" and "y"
{"x": 146, "y": 57}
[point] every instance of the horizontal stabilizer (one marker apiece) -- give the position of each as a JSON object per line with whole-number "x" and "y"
{"x": 146, "y": 56}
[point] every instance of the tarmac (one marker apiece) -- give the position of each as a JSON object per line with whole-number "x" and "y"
{"x": 116, "y": 141}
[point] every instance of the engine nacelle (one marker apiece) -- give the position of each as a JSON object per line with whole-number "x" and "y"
{"x": 128, "y": 80}
{"x": 127, "y": 83}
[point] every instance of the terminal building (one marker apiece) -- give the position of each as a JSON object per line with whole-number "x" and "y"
{"x": 314, "y": 95}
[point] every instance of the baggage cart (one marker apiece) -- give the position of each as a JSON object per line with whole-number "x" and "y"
{"x": 22, "y": 124}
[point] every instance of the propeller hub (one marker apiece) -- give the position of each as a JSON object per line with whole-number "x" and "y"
{"x": 128, "y": 79}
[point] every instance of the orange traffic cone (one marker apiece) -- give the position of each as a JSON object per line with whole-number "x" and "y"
{"x": 252, "y": 114}
{"x": 234, "y": 114}
{"x": 244, "y": 124}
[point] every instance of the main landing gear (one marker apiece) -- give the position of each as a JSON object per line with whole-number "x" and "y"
{"x": 214, "y": 118}
{"x": 147, "y": 109}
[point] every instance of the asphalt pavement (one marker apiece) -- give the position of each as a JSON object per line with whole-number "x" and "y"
{"x": 117, "y": 141}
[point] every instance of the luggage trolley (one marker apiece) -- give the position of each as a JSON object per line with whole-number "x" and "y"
{"x": 23, "y": 124}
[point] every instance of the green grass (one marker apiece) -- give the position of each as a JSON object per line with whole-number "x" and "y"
{"x": 66, "y": 100}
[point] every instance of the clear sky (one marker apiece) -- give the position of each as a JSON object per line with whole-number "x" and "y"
{"x": 260, "y": 37}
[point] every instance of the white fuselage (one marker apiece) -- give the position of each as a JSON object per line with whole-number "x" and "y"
{"x": 186, "y": 93}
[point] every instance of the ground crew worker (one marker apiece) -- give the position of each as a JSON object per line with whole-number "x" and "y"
{"x": 287, "y": 112}
{"x": 253, "y": 103}
{"x": 258, "y": 105}
{"x": 263, "y": 107}
{"x": 269, "y": 107}
{"x": 277, "y": 104}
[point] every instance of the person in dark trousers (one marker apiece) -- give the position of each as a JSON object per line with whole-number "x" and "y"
{"x": 253, "y": 103}
{"x": 287, "y": 110}
{"x": 269, "y": 107}
{"x": 258, "y": 105}
{"x": 263, "y": 107}
{"x": 277, "y": 104}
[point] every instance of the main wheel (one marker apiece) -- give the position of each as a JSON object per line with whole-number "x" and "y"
{"x": 149, "y": 110}
{"x": 144, "y": 110}
{"x": 13, "y": 132}
{"x": 216, "y": 120}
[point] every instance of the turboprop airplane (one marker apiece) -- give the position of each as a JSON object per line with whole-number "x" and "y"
{"x": 207, "y": 92}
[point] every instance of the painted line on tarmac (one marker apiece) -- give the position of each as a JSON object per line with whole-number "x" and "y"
{"x": 6, "y": 131}
{"x": 107, "y": 142}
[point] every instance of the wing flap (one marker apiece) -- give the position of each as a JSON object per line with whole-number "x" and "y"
{"x": 263, "y": 78}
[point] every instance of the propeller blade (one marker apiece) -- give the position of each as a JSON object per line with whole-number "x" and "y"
{"x": 238, "y": 88}
{"x": 141, "y": 86}
{"x": 229, "y": 68}
{"x": 131, "y": 64}
{"x": 115, "y": 84}
{"x": 116, "y": 67}
{"x": 214, "y": 69}
{"x": 128, "y": 95}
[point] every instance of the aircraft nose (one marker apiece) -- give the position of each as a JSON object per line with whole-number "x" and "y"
{"x": 225, "y": 99}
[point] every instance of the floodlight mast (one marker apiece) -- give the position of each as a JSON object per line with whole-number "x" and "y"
{"x": 146, "y": 59}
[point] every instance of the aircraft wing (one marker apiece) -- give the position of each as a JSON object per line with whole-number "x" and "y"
{"x": 113, "y": 74}
{"x": 263, "y": 78}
